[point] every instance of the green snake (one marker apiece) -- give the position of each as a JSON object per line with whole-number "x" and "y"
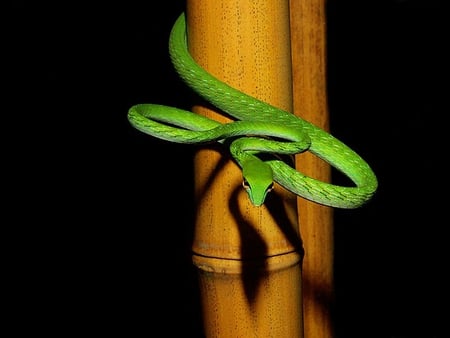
{"x": 258, "y": 136}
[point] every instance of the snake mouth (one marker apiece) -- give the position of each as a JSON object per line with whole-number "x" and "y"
{"x": 257, "y": 197}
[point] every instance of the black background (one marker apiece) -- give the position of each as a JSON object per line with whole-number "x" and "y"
{"x": 108, "y": 211}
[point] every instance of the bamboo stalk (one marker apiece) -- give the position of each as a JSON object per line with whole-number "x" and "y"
{"x": 248, "y": 257}
{"x": 308, "y": 38}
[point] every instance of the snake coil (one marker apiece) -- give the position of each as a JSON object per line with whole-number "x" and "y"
{"x": 284, "y": 134}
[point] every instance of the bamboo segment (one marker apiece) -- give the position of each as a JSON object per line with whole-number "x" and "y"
{"x": 308, "y": 38}
{"x": 248, "y": 257}
{"x": 241, "y": 43}
{"x": 256, "y": 298}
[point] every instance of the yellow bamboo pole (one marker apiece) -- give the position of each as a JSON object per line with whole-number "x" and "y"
{"x": 308, "y": 38}
{"x": 248, "y": 257}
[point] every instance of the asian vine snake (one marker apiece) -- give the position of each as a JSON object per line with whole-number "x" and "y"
{"x": 258, "y": 129}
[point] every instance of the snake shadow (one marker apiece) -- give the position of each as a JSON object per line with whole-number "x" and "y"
{"x": 254, "y": 248}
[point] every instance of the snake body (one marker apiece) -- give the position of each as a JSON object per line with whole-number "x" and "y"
{"x": 259, "y": 128}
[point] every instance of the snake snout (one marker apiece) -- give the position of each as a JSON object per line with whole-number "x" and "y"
{"x": 258, "y": 192}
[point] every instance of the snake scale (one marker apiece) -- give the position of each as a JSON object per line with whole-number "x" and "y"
{"x": 257, "y": 137}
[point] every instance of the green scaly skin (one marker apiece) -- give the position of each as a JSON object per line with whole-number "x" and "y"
{"x": 293, "y": 134}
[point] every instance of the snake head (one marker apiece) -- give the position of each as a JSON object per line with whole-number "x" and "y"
{"x": 258, "y": 180}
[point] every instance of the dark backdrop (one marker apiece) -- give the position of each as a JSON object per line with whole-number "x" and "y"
{"x": 114, "y": 207}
